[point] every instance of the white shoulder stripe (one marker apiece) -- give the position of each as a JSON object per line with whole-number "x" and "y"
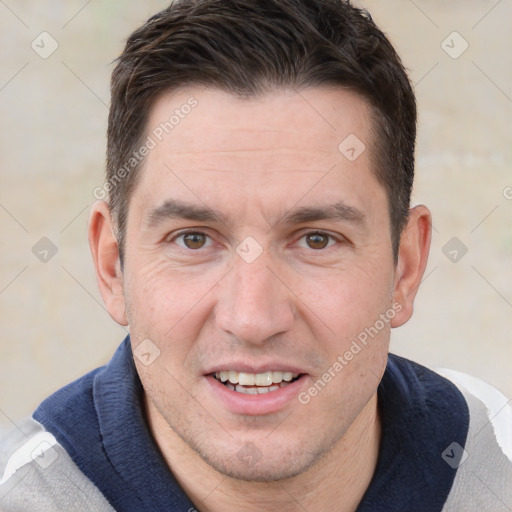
{"x": 499, "y": 408}
{"x": 35, "y": 447}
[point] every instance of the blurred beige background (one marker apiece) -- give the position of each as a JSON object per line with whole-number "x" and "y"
{"x": 53, "y": 325}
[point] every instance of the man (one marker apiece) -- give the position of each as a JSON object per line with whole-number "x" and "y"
{"x": 259, "y": 243}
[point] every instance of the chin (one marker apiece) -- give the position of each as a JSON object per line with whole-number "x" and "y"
{"x": 270, "y": 463}
{"x": 260, "y": 471}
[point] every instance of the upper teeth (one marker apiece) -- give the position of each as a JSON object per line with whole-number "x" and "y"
{"x": 255, "y": 379}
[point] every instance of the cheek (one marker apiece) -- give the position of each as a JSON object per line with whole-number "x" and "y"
{"x": 148, "y": 295}
{"x": 353, "y": 313}
{"x": 347, "y": 301}
{"x": 168, "y": 305}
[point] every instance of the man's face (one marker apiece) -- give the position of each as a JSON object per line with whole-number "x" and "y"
{"x": 255, "y": 245}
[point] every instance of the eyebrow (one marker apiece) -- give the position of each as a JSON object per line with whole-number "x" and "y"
{"x": 334, "y": 212}
{"x": 175, "y": 208}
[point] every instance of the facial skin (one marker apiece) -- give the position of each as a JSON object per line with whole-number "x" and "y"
{"x": 261, "y": 166}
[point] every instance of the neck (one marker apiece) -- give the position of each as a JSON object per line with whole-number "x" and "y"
{"x": 337, "y": 481}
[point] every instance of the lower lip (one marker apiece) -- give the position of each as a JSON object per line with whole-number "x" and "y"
{"x": 266, "y": 403}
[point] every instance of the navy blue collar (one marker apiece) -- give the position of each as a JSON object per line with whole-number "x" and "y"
{"x": 99, "y": 420}
{"x": 422, "y": 414}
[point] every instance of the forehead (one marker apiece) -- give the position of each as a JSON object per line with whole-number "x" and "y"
{"x": 207, "y": 142}
{"x": 320, "y": 116}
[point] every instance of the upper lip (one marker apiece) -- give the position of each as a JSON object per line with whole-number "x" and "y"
{"x": 252, "y": 368}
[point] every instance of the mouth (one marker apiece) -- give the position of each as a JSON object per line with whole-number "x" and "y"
{"x": 255, "y": 383}
{"x": 244, "y": 393}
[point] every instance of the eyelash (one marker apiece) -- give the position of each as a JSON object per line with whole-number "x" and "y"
{"x": 189, "y": 232}
{"x": 331, "y": 238}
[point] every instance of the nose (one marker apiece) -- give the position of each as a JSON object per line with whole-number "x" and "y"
{"x": 254, "y": 303}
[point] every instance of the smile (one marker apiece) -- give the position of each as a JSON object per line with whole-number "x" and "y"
{"x": 255, "y": 383}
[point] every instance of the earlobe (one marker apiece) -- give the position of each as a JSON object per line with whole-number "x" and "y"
{"x": 105, "y": 255}
{"x": 412, "y": 261}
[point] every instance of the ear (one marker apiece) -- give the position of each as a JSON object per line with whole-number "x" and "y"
{"x": 105, "y": 255}
{"x": 412, "y": 260}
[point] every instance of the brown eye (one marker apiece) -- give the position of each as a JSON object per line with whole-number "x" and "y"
{"x": 317, "y": 240}
{"x": 194, "y": 240}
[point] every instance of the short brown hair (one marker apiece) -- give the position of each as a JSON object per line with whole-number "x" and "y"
{"x": 247, "y": 47}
